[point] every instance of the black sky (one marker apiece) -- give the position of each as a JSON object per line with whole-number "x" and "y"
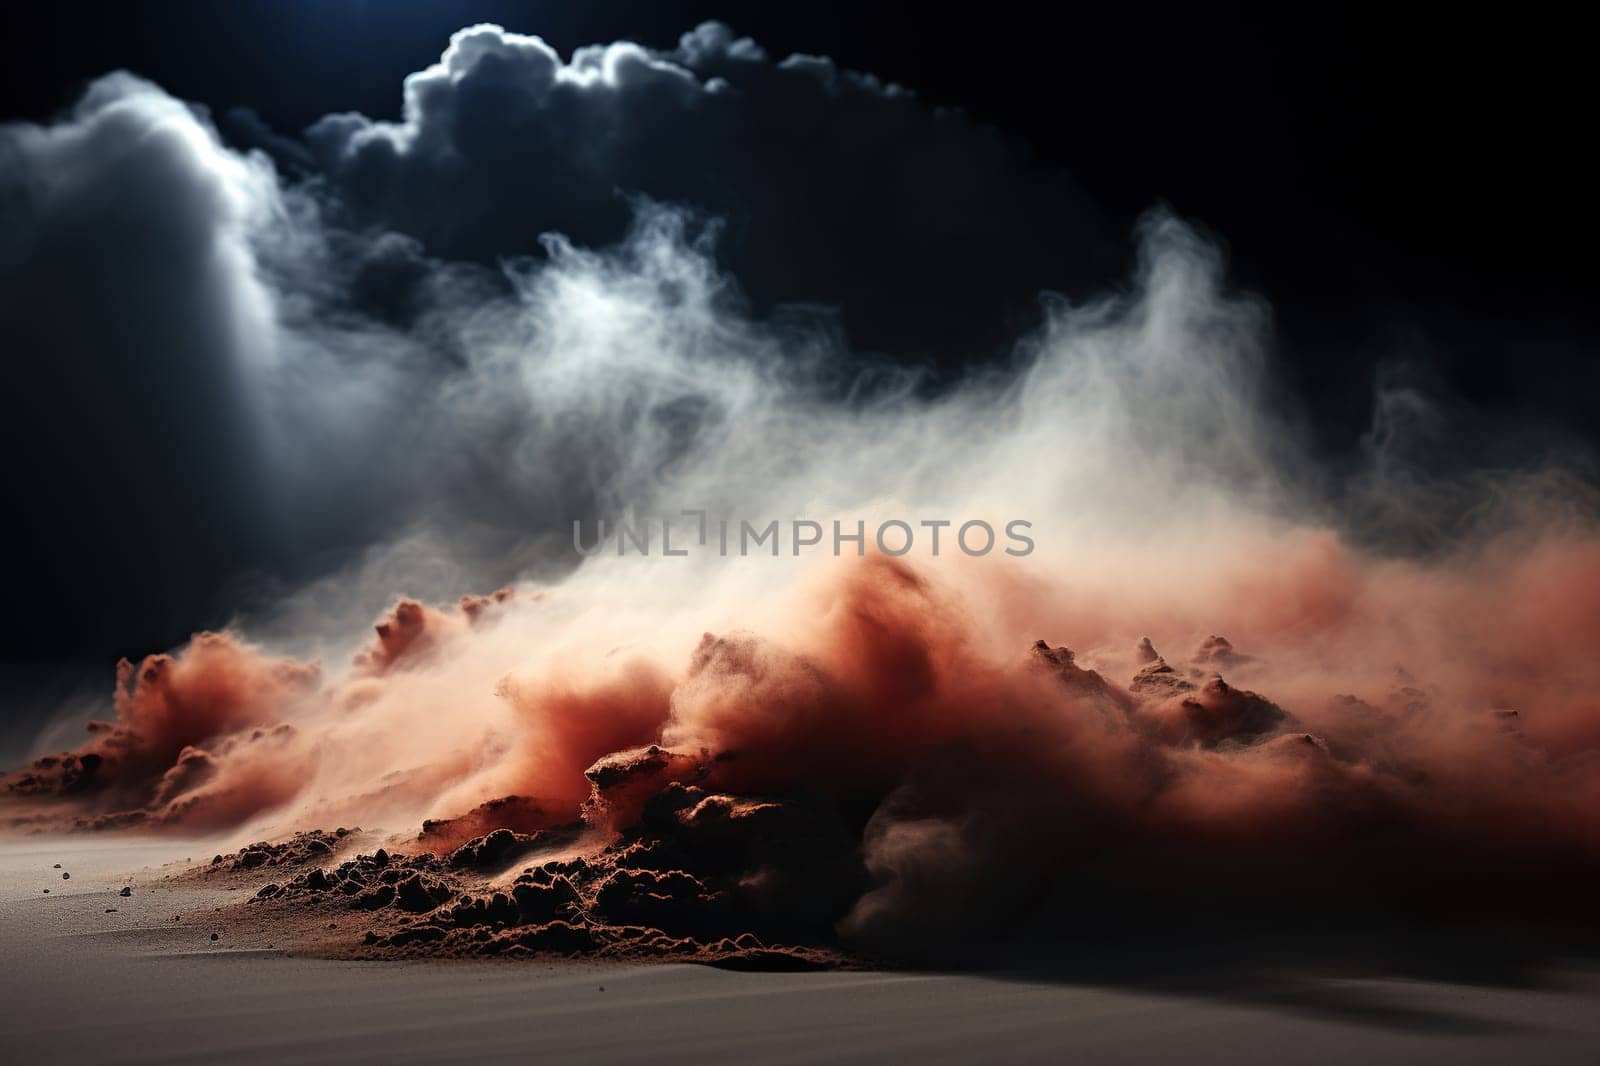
{"x": 1421, "y": 157}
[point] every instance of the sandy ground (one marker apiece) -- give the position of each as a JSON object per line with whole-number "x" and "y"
{"x": 133, "y": 985}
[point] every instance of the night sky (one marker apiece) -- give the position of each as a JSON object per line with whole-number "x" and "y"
{"x": 1410, "y": 195}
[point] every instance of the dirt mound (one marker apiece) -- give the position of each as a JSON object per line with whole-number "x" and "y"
{"x": 315, "y": 845}
{"x": 501, "y": 847}
{"x": 753, "y": 884}
{"x": 518, "y": 814}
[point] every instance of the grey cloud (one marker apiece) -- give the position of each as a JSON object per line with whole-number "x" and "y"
{"x": 130, "y": 315}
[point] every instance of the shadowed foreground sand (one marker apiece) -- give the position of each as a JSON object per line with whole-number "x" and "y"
{"x": 82, "y": 984}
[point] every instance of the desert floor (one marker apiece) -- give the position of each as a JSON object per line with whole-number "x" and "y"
{"x": 93, "y": 976}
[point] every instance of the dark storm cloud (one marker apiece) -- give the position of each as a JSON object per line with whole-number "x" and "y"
{"x": 933, "y": 234}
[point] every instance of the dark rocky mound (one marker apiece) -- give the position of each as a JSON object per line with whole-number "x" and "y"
{"x": 1084, "y": 684}
{"x": 315, "y": 845}
{"x": 665, "y": 866}
{"x": 1220, "y": 713}
{"x": 52, "y": 775}
{"x": 519, "y": 814}
{"x": 703, "y": 876}
{"x": 502, "y": 847}
{"x": 1202, "y": 709}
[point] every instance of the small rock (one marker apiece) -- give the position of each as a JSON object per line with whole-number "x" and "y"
{"x": 111, "y": 910}
{"x": 216, "y": 936}
{"x": 57, "y": 866}
{"x": 126, "y": 891}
